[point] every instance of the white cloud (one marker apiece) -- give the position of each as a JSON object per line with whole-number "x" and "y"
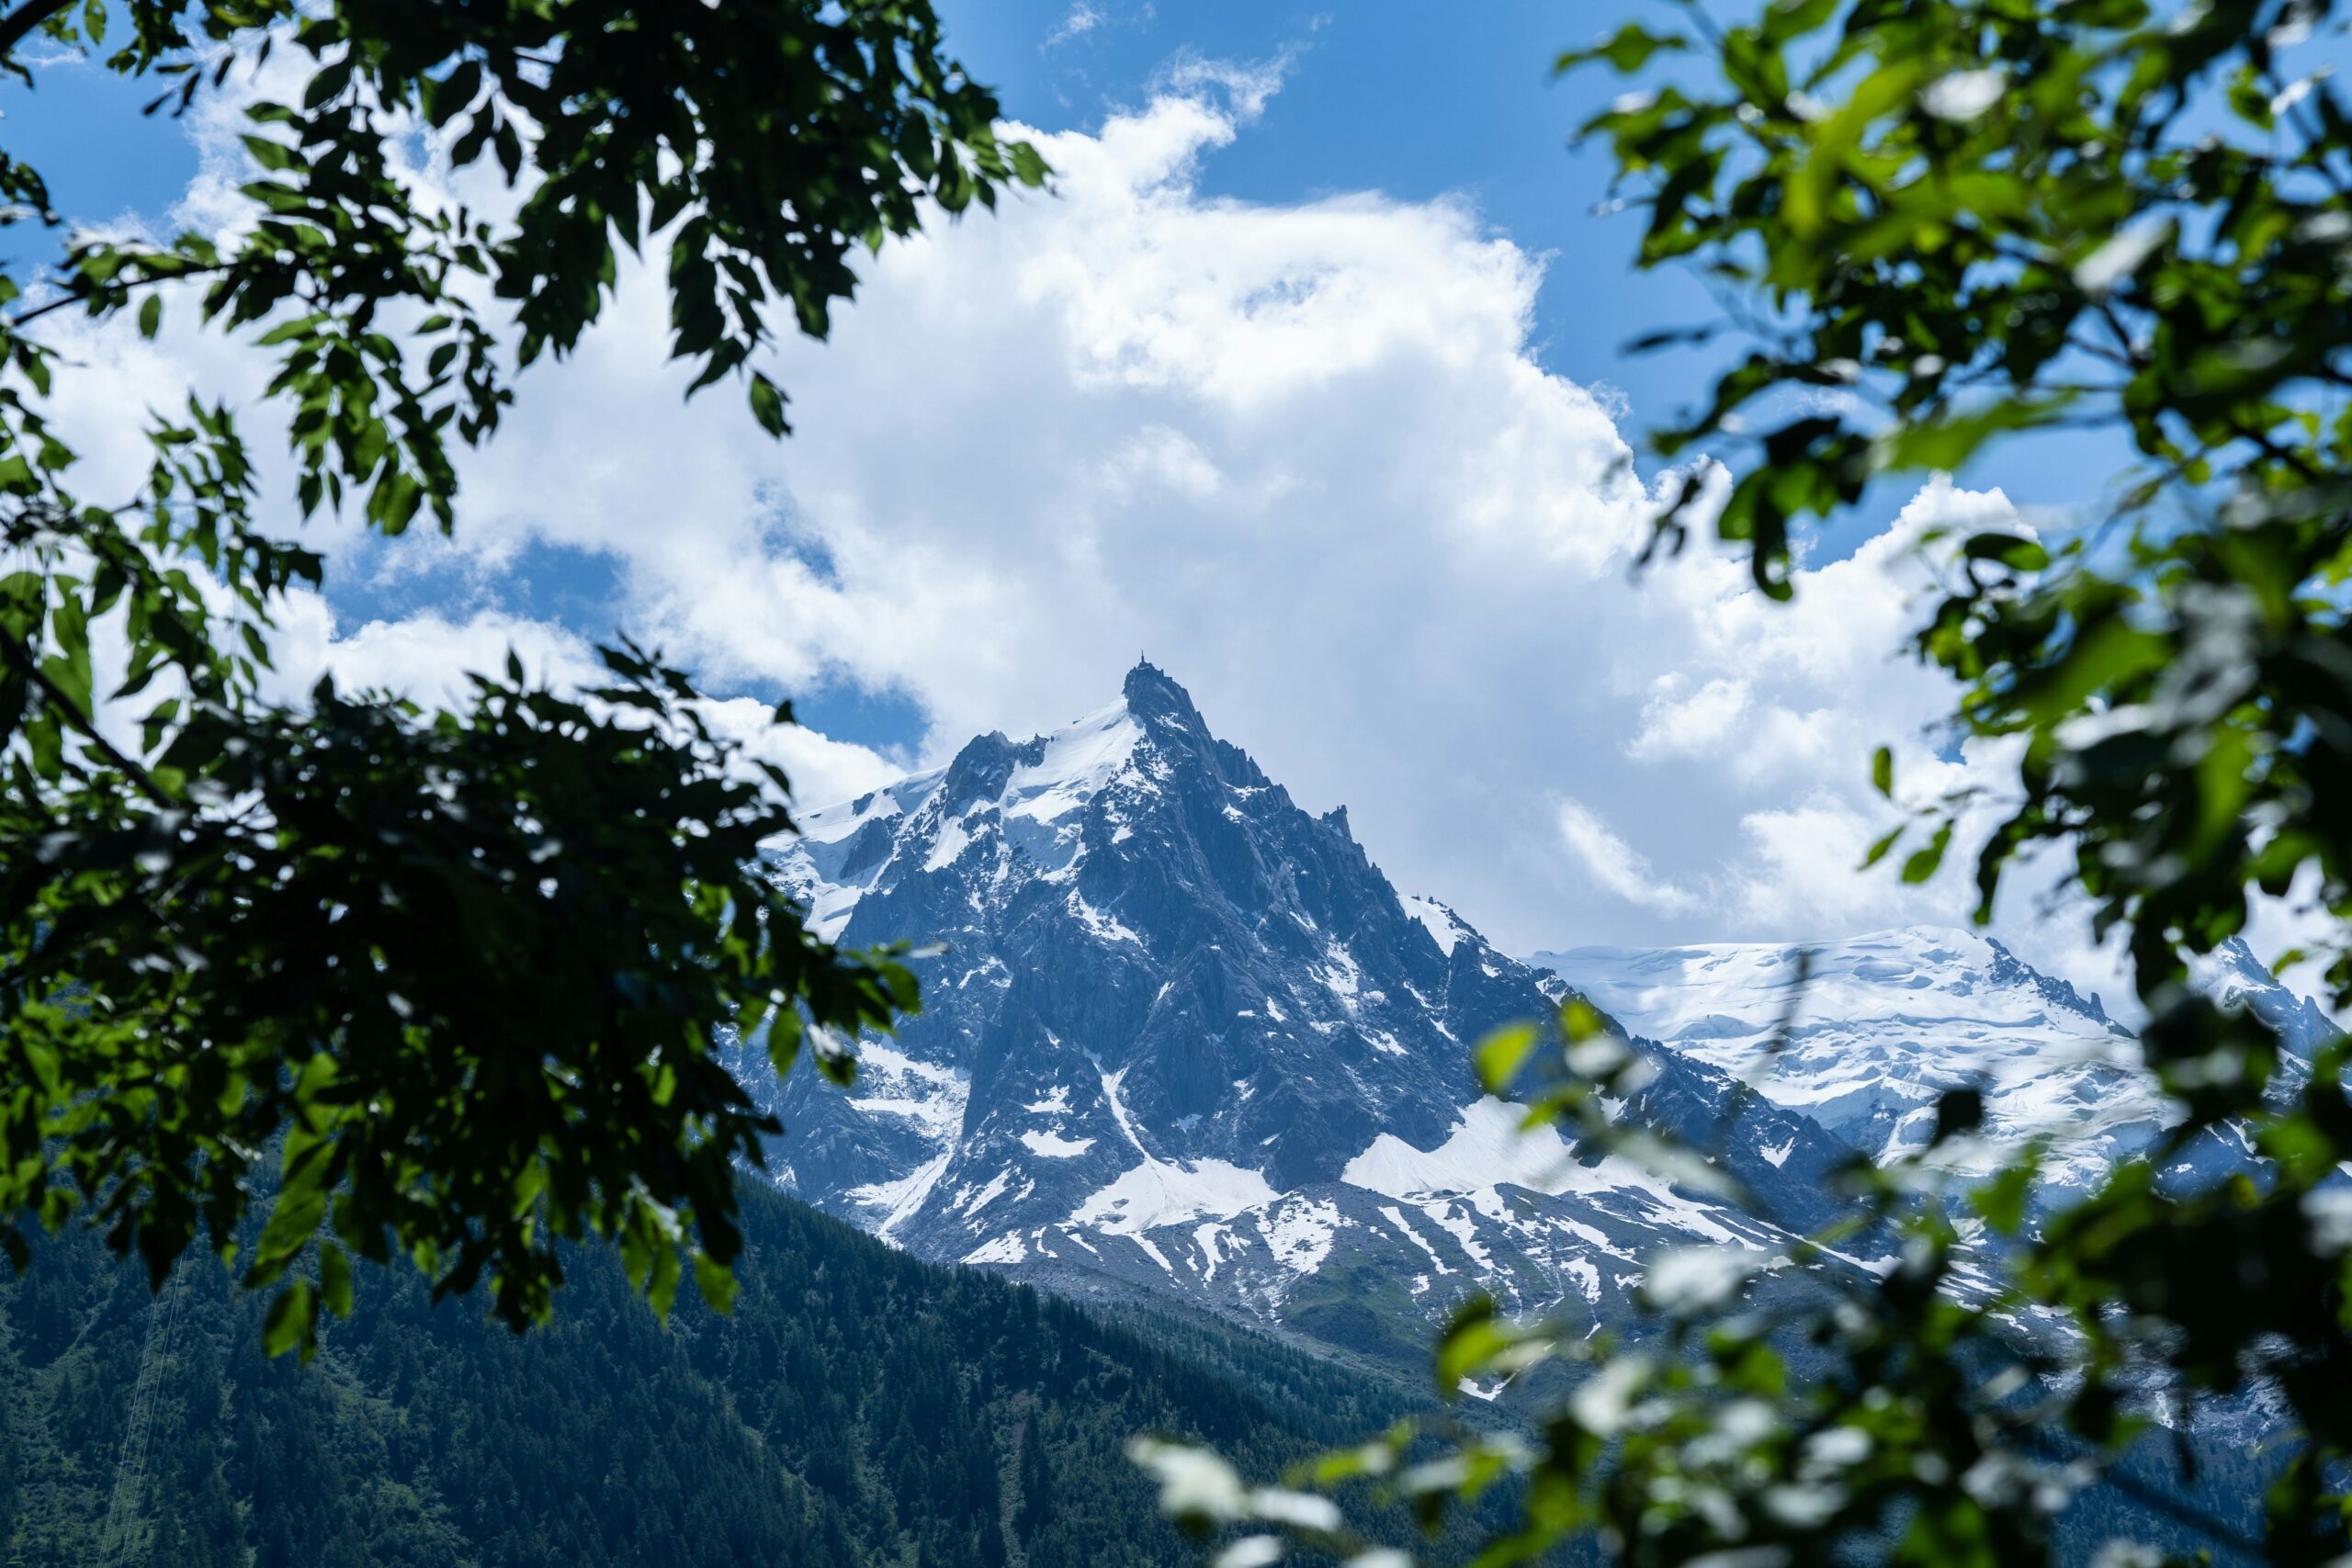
{"x": 1308, "y": 457}
{"x": 821, "y": 769}
{"x": 1081, "y": 19}
{"x": 1615, "y": 864}
{"x": 1680, "y": 721}
{"x": 1248, "y": 84}
{"x": 428, "y": 658}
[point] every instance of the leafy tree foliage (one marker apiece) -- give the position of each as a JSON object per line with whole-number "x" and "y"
{"x": 1945, "y": 224}
{"x": 458, "y": 974}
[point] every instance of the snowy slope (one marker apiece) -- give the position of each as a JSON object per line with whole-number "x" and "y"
{"x": 1185, "y": 1039}
{"x": 1884, "y": 1024}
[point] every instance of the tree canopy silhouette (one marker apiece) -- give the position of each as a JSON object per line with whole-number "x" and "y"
{"x": 440, "y": 985}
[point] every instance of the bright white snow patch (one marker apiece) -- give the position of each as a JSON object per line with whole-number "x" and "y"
{"x": 1006, "y": 1248}
{"x": 1884, "y": 1024}
{"x": 891, "y": 1083}
{"x": 1052, "y": 1146}
{"x": 1485, "y": 1147}
{"x": 1037, "y": 805}
{"x": 1342, "y": 975}
{"x": 1300, "y": 1235}
{"x": 1462, "y": 1228}
{"x": 831, "y": 824}
{"x": 953, "y": 838}
{"x": 1443, "y": 927}
{"x": 1395, "y": 1218}
{"x": 1206, "y": 1237}
{"x": 1158, "y": 1192}
{"x": 1079, "y": 761}
{"x": 967, "y": 1201}
{"x": 1106, "y": 927}
{"x": 1488, "y": 1149}
{"x": 1155, "y": 1194}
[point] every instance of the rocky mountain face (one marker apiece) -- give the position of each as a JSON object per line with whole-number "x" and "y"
{"x": 1180, "y": 1037}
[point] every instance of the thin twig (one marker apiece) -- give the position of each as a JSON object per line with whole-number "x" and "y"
{"x": 20, "y": 23}
{"x": 18, "y": 654}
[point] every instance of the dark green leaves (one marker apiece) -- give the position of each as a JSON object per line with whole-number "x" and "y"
{"x": 1924, "y": 860}
{"x": 767, "y": 405}
{"x": 444, "y": 987}
{"x": 431, "y": 967}
{"x": 1502, "y": 1054}
{"x": 1947, "y": 225}
{"x": 1630, "y": 48}
{"x": 442, "y": 98}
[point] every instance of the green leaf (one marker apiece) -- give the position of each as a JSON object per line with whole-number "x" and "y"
{"x": 1947, "y": 444}
{"x": 334, "y": 1279}
{"x": 767, "y": 405}
{"x": 1626, "y": 51}
{"x": 1925, "y": 862}
{"x": 717, "y": 1283}
{"x": 292, "y": 1321}
{"x": 1474, "y": 1338}
{"x": 444, "y": 98}
{"x": 2012, "y": 551}
{"x": 274, "y": 156}
{"x": 1502, "y": 1054}
{"x": 1580, "y": 1021}
{"x": 2002, "y": 1201}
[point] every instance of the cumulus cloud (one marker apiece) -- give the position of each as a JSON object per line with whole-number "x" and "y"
{"x": 1309, "y": 456}
{"x": 432, "y": 660}
{"x": 1614, "y": 864}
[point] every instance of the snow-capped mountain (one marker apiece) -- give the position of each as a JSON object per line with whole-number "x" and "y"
{"x": 1183, "y": 1037}
{"x": 1877, "y": 1027}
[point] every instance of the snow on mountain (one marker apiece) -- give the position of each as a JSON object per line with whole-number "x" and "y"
{"x": 2235, "y": 978}
{"x": 1182, "y": 1038}
{"x": 1880, "y": 1025}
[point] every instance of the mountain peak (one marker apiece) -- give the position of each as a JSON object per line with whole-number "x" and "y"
{"x": 981, "y": 769}
{"x": 1152, "y": 693}
{"x": 1181, "y": 1035}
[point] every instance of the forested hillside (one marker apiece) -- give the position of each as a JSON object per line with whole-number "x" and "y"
{"x": 858, "y": 1407}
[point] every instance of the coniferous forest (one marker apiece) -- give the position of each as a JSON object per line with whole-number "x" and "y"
{"x": 857, "y": 1407}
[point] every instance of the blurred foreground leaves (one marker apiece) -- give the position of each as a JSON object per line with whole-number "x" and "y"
{"x": 441, "y": 986}
{"x": 1940, "y": 225}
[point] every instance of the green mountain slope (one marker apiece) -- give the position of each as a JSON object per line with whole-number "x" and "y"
{"x": 857, "y": 1408}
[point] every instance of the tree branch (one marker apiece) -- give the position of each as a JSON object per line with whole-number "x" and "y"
{"x": 20, "y": 23}
{"x": 70, "y": 298}
{"x": 22, "y": 658}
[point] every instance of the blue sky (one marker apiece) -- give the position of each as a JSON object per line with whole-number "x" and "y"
{"x": 1374, "y": 528}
